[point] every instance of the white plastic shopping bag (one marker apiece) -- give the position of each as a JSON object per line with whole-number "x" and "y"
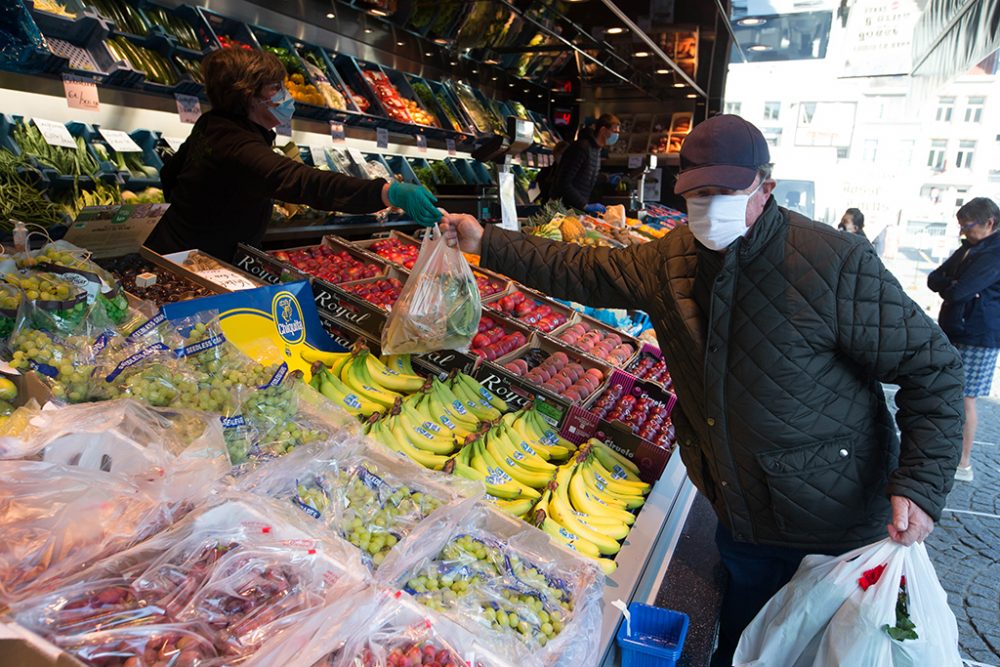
{"x": 877, "y": 606}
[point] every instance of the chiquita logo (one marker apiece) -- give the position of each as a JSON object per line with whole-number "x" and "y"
{"x": 288, "y": 318}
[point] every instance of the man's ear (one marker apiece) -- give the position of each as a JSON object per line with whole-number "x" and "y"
{"x": 769, "y": 186}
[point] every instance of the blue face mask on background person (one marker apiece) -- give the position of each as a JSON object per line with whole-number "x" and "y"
{"x": 612, "y": 139}
{"x": 286, "y": 107}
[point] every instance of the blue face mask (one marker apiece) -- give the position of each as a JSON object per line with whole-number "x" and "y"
{"x": 612, "y": 139}
{"x": 286, "y": 107}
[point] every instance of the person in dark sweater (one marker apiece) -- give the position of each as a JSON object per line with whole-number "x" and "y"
{"x": 579, "y": 167}
{"x": 547, "y": 175}
{"x": 221, "y": 182}
{"x": 853, "y": 222}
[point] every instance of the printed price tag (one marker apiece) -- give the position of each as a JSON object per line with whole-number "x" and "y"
{"x": 119, "y": 141}
{"x": 80, "y": 93}
{"x": 421, "y": 143}
{"x": 451, "y": 146}
{"x": 188, "y": 108}
{"x": 318, "y": 156}
{"x": 173, "y": 142}
{"x": 337, "y": 132}
{"x": 382, "y": 138}
{"x": 55, "y": 134}
{"x": 634, "y": 161}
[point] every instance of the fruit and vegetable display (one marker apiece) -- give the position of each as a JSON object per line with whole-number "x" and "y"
{"x": 20, "y": 199}
{"x": 317, "y": 72}
{"x": 157, "y": 285}
{"x": 395, "y": 106}
{"x": 648, "y": 417}
{"x": 648, "y": 367}
{"x": 157, "y": 68}
{"x": 484, "y": 121}
{"x": 382, "y": 292}
{"x": 174, "y": 26}
{"x": 494, "y": 341}
{"x": 530, "y": 311}
{"x": 601, "y": 344}
{"x": 430, "y": 100}
{"x": 54, "y": 7}
{"x": 227, "y": 42}
{"x": 329, "y": 263}
{"x": 557, "y": 373}
{"x": 64, "y": 161}
{"x": 488, "y": 286}
{"x": 396, "y": 251}
{"x": 125, "y": 17}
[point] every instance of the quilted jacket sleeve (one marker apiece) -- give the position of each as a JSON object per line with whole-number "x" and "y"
{"x": 882, "y": 330}
{"x": 597, "y": 277}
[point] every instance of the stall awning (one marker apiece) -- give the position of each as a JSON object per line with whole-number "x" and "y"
{"x": 951, "y": 36}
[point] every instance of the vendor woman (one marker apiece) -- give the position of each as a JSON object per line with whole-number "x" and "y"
{"x": 221, "y": 182}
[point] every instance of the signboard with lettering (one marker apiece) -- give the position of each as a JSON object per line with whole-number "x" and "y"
{"x": 113, "y": 231}
{"x": 879, "y": 38}
{"x": 263, "y": 266}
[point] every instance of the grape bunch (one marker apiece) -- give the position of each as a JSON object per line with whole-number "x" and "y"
{"x": 44, "y": 286}
{"x": 66, "y": 361}
{"x": 512, "y": 595}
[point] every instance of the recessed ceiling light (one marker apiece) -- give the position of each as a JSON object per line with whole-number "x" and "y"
{"x": 400, "y": 43}
{"x": 663, "y": 70}
{"x": 680, "y": 85}
{"x": 428, "y": 54}
{"x": 494, "y": 78}
{"x": 760, "y": 47}
{"x": 751, "y": 21}
{"x": 579, "y": 99}
{"x": 642, "y": 54}
{"x": 440, "y": 40}
{"x": 540, "y": 95}
{"x": 691, "y": 96}
{"x": 615, "y": 31}
{"x": 491, "y": 61}
{"x": 526, "y": 90}
{"x": 475, "y": 71}
{"x": 453, "y": 63}
{"x": 511, "y": 85}
{"x": 368, "y": 31}
{"x": 331, "y": 15}
{"x": 378, "y": 12}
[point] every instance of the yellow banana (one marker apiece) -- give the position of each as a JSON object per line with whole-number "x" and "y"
{"x": 559, "y": 447}
{"x": 518, "y": 508}
{"x": 562, "y": 512}
{"x": 548, "y": 525}
{"x": 340, "y": 394}
{"x": 354, "y": 377}
{"x": 398, "y": 441}
{"x": 534, "y": 479}
{"x": 435, "y": 410}
{"x": 328, "y": 359}
{"x": 619, "y": 466}
{"x": 590, "y": 504}
{"x": 455, "y": 405}
{"x": 486, "y": 396}
{"x": 616, "y": 486}
{"x": 630, "y": 502}
{"x": 472, "y": 402}
{"x": 399, "y": 363}
{"x": 420, "y": 437}
{"x": 391, "y": 379}
{"x": 519, "y": 425}
{"x": 523, "y": 455}
{"x": 496, "y": 476}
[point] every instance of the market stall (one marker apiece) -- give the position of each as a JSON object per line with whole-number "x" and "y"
{"x": 383, "y": 486}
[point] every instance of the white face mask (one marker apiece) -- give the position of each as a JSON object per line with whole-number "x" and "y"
{"x": 718, "y": 220}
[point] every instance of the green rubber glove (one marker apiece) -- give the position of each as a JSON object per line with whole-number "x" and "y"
{"x": 417, "y": 201}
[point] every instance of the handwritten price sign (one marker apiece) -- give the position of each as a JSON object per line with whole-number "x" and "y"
{"x": 80, "y": 93}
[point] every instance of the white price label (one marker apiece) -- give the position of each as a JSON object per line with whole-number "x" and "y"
{"x": 421, "y": 143}
{"x": 382, "y": 138}
{"x": 55, "y": 134}
{"x": 450, "y": 143}
{"x": 174, "y": 143}
{"x": 227, "y": 279}
{"x": 188, "y": 108}
{"x": 119, "y": 141}
{"x": 80, "y": 93}
{"x": 634, "y": 161}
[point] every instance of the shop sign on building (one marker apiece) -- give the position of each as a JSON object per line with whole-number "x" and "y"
{"x": 879, "y": 38}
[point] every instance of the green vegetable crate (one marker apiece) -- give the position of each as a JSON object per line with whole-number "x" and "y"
{"x": 181, "y": 27}
{"x": 76, "y": 30}
{"x": 58, "y": 165}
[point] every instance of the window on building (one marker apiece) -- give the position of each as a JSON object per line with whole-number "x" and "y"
{"x": 734, "y": 107}
{"x": 772, "y": 135}
{"x": 904, "y": 154}
{"x": 974, "y": 110}
{"x": 843, "y": 152}
{"x": 870, "y": 150}
{"x": 807, "y": 112}
{"x": 946, "y": 105}
{"x": 966, "y": 151}
{"x": 961, "y": 195}
{"x": 772, "y": 110}
{"x": 935, "y": 159}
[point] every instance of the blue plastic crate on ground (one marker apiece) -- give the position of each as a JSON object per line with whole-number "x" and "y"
{"x": 657, "y": 636}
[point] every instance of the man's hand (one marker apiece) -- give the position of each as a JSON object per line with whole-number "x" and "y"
{"x": 463, "y": 230}
{"x": 909, "y": 523}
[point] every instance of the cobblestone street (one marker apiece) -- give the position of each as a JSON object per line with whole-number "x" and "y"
{"x": 965, "y": 546}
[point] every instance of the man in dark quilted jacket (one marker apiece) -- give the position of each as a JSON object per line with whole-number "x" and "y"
{"x": 778, "y": 333}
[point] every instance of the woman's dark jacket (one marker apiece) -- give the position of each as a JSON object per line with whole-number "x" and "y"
{"x": 221, "y": 182}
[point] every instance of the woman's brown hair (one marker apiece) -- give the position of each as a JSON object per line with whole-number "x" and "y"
{"x": 235, "y": 76}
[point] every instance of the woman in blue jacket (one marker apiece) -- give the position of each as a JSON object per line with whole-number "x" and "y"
{"x": 969, "y": 283}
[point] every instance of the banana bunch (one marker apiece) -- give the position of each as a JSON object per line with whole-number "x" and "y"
{"x": 477, "y": 399}
{"x": 473, "y": 461}
{"x": 358, "y": 381}
{"x": 537, "y": 436}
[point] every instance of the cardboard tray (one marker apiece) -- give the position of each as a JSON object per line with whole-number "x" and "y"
{"x": 338, "y": 244}
{"x": 492, "y": 303}
{"x": 605, "y": 329}
{"x": 174, "y": 262}
{"x": 263, "y": 267}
